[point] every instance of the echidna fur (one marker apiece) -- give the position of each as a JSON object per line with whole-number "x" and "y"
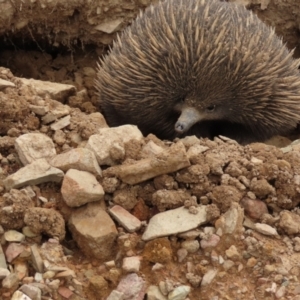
{"x": 200, "y": 67}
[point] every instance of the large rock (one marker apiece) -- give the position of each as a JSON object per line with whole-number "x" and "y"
{"x": 94, "y": 231}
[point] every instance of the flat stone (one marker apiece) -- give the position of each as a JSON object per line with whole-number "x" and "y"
{"x": 65, "y": 292}
{"x": 2, "y": 259}
{"x": 168, "y": 161}
{"x": 132, "y": 286}
{"x": 231, "y": 222}
{"x": 32, "y": 146}
{"x": 102, "y": 143}
{"x": 179, "y": 293}
{"x": 125, "y": 219}
{"x": 131, "y": 264}
{"x": 265, "y": 229}
{"x": 115, "y": 295}
{"x": 80, "y": 159}
{"x": 57, "y": 91}
{"x": 13, "y": 250}
{"x": 154, "y": 293}
{"x": 61, "y": 123}
{"x": 5, "y": 83}
{"x": 17, "y": 295}
{"x": 208, "y": 277}
{"x": 14, "y": 236}
{"x": 3, "y": 273}
{"x": 98, "y": 243}
{"x": 11, "y": 281}
{"x": 31, "y": 291}
{"x": 174, "y": 221}
{"x": 80, "y": 187}
{"x": 33, "y": 174}
{"x": 36, "y": 259}
{"x": 110, "y": 26}
{"x": 39, "y": 110}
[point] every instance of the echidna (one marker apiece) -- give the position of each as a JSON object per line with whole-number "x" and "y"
{"x": 200, "y": 67}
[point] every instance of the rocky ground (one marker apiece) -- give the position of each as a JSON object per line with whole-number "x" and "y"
{"x": 91, "y": 212}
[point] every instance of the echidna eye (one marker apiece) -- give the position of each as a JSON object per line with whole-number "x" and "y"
{"x": 211, "y": 108}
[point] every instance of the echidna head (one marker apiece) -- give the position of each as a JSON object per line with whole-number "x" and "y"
{"x": 193, "y": 110}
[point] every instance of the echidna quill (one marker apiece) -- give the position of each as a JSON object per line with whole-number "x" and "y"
{"x": 200, "y": 67}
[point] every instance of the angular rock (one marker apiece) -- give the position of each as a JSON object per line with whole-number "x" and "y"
{"x": 57, "y": 91}
{"x": 174, "y": 221}
{"x": 265, "y": 229}
{"x": 80, "y": 159}
{"x": 133, "y": 287}
{"x": 17, "y": 295}
{"x": 3, "y": 273}
{"x": 31, "y": 291}
{"x": 232, "y": 220}
{"x": 80, "y": 187}
{"x": 179, "y": 293}
{"x": 289, "y": 222}
{"x": 208, "y": 277}
{"x": 94, "y": 231}
{"x": 125, "y": 219}
{"x": 2, "y": 259}
{"x": 131, "y": 264}
{"x": 110, "y": 26}
{"x": 154, "y": 293}
{"x": 14, "y": 236}
{"x": 36, "y": 259}
{"x": 32, "y": 146}
{"x": 115, "y": 295}
{"x": 13, "y": 250}
{"x": 102, "y": 143}
{"x": 4, "y": 84}
{"x": 61, "y": 123}
{"x": 168, "y": 161}
{"x": 33, "y": 174}
{"x": 11, "y": 281}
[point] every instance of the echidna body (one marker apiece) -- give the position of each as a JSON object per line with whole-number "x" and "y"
{"x": 200, "y": 67}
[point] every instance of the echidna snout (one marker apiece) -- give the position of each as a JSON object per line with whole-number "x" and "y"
{"x": 189, "y": 117}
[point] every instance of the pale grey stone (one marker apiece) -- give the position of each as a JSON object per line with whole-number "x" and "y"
{"x": 125, "y": 219}
{"x": 80, "y": 159}
{"x": 14, "y": 236}
{"x": 179, "y": 293}
{"x": 61, "y": 123}
{"x": 32, "y": 146}
{"x": 208, "y": 277}
{"x": 5, "y": 83}
{"x": 31, "y": 291}
{"x": 154, "y": 293}
{"x": 174, "y": 221}
{"x": 33, "y": 174}
{"x": 102, "y": 143}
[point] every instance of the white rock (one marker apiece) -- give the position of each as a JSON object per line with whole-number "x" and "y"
{"x": 80, "y": 187}
{"x": 57, "y": 91}
{"x": 39, "y": 110}
{"x": 154, "y": 293}
{"x": 31, "y": 291}
{"x": 124, "y": 218}
{"x": 61, "y": 123}
{"x": 208, "y": 277}
{"x": 3, "y": 273}
{"x": 265, "y": 229}
{"x": 93, "y": 230}
{"x": 80, "y": 159}
{"x": 174, "y": 221}
{"x": 4, "y": 84}
{"x": 33, "y": 174}
{"x": 101, "y": 143}
{"x": 32, "y": 146}
{"x": 151, "y": 149}
{"x": 17, "y": 295}
{"x": 196, "y": 150}
{"x": 131, "y": 264}
{"x": 14, "y": 236}
{"x": 115, "y": 295}
{"x": 110, "y": 26}
{"x": 179, "y": 293}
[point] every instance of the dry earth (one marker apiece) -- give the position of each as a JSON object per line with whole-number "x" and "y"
{"x": 248, "y": 245}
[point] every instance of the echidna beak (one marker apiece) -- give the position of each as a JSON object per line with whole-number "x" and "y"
{"x": 189, "y": 117}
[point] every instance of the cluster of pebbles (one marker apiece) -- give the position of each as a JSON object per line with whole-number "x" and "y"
{"x": 92, "y": 212}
